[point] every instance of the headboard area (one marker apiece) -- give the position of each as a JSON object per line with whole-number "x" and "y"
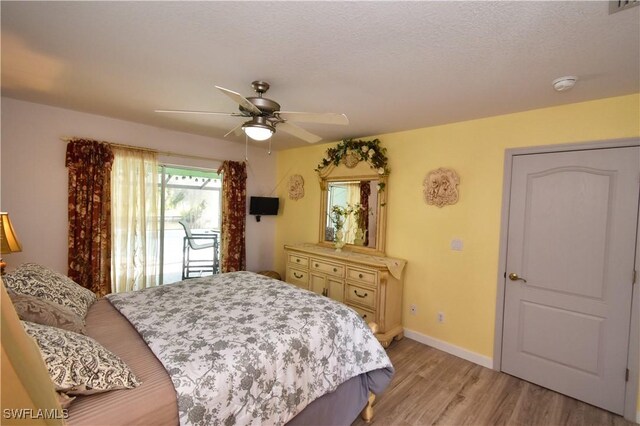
{"x": 24, "y": 374}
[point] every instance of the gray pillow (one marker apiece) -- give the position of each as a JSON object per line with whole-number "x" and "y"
{"x": 77, "y": 364}
{"x": 40, "y": 311}
{"x": 36, "y": 280}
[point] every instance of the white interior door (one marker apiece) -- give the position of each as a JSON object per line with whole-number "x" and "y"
{"x": 572, "y": 230}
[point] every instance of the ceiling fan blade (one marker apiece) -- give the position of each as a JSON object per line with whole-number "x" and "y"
{"x": 298, "y": 132}
{"x": 239, "y": 99}
{"x": 180, "y": 111}
{"x": 236, "y": 130}
{"x": 312, "y": 117}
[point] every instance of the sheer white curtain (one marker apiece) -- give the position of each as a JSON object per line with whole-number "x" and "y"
{"x": 353, "y": 198}
{"x": 134, "y": 210}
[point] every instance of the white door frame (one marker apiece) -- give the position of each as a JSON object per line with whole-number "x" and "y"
{"x": 633, "y": 358}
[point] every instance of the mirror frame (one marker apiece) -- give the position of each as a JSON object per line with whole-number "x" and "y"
{"x": 361, "y": 171}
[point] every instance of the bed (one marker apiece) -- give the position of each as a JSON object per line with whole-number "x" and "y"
{"x": 236, "y": 348}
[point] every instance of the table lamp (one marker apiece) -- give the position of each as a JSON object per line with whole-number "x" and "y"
{"x": 8, "y": 240}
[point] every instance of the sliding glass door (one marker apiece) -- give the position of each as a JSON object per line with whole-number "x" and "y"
{"x": 190, "y": 215}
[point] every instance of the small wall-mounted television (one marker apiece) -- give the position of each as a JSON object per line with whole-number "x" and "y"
{"x": 263, "y": 206}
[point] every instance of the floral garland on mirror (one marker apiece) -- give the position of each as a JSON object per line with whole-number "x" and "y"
{"x": 351, "y": 151}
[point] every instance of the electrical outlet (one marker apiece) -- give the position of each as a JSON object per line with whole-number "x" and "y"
{"x": 440, "y": 317}
{"x": 413, "y": 309}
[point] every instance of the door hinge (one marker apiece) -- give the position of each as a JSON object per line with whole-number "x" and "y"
{"x": 635, "y": 276}
{"x": 626, "y": 376}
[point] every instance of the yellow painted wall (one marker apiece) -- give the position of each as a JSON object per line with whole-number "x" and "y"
{"x": 437, "y": 279}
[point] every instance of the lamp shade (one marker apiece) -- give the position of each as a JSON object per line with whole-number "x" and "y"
{"x": 8, "y": 240}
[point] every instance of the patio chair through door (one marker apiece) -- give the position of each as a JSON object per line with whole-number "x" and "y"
{"x": 195, "y": 266}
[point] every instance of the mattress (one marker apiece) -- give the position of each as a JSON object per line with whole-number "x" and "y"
{"x": 154, "y": 401}
{"x": 151, "y": 403}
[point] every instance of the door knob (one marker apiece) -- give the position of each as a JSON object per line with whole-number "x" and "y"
{"x": 514, "y": 277}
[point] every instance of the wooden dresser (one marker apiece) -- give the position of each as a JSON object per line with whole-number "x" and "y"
{"x": 370, "y": 285}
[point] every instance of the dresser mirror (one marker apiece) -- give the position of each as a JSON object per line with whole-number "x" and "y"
{"x": 352, "y": 210}
{"x": 357, "y": 198}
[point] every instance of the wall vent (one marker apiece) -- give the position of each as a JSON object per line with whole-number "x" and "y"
{"x": 618, "y": 5}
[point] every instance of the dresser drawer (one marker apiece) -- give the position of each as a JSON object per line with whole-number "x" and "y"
{"x": 362, "y": 275}
{"x": 360, "y": 295}
{"x": 298, "y": 277}
{"x": 365, "y": 314}
{"x": 298, "y": 260}
{"x": 328, "y": 268}
{"x": 362, "y": 282}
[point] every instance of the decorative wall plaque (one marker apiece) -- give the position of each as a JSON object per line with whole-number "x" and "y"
{"x": 441, "y": 187}
{"x": 296, "y": 187}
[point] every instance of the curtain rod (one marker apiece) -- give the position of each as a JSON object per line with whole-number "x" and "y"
{"x": 139, "y": 148}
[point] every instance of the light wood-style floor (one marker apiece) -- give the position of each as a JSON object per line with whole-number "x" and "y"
{"x": 431, "y": 387}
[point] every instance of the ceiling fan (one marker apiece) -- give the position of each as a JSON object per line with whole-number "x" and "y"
{"x": 265, "y": 116}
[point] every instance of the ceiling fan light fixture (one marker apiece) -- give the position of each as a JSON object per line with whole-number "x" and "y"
{"x": 258, "y": 129}
{"x": 258, "y": 133}
{"x": 264, "y": 115}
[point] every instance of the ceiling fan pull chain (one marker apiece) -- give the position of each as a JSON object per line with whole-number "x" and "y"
{"x": 270, "y": 146}
{"x": 246, "y": 148}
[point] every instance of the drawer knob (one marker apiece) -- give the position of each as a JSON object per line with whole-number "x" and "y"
{"x": 360, "y": 276}
{"x": 360, "y": 295}
{"x": 298, "y": 276}
{"x": 364, "y": 316}
{"x": 335, "y": 269}
{"x": 317, "y": 265}
{"x": 298, "y": 260}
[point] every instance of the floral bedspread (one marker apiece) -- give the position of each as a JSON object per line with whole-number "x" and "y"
{"x": 245, "y": 349}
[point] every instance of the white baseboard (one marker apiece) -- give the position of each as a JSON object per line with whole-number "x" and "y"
{"x": 476, "y": 358}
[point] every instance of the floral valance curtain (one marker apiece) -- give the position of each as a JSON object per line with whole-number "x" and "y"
{"x": 89, "y": 163}
{"x": 234, "y": 214}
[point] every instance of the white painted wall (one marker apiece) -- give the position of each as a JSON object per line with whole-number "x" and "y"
{"x": 33, "y": 177}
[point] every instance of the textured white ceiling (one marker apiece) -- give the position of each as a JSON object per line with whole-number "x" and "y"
{"x": 389, "y": 66}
